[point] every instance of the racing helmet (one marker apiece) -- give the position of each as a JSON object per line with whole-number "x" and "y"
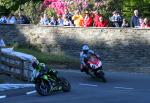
{"x": 85, "y": 48}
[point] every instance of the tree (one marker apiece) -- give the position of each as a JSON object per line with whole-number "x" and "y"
{"x": 142, "y": 5}
{"x": 7, "y": 6}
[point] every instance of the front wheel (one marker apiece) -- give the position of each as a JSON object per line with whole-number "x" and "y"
{"x": 101, "y": 76}
{"x": 103, "y": 79}
{"x": 66, "y": 87}
{"x": 42, "y": 87}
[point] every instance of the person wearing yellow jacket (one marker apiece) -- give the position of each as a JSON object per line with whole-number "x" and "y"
{"x": 78, "y": 19}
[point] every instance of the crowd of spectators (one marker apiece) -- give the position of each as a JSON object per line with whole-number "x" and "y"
{"x": 86, "y": 19}
{"x": 94, "y": 19}
{"x": 14, "y": 19}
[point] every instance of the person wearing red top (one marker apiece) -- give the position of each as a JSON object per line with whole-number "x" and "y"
{"x": 88, "y": 20}
{"x": 146, "y": 23}
{"x": 102, "y": 22}
{"x": 96, "y": 18}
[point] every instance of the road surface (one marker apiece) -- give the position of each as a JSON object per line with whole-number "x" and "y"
{"x": 121, "y": 88}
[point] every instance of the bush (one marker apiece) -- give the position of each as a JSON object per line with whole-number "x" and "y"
{"x": 32, "y": 11}
{"x": 130, "y": 5}
{"x": 50, "y": 12}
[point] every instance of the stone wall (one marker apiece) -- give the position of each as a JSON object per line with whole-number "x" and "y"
{"x": 119, "y": 48}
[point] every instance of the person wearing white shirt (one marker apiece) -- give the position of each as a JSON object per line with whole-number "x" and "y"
{"x": 3, "y": 20}
{"x": 44, "y": 20}
{"x": 12, "y": 20}
{"x": 67, "y": 22}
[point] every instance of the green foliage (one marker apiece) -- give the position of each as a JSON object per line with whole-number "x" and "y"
{"x": 126, "y": 7}
{"x": 4, "y": 11}
{"x": 108, "y": 6}
{"x": 9, "y": 4}
{"x": 130, "y": 5}
{"x": 50, "y": 12}
{"x": 32, "y": 8}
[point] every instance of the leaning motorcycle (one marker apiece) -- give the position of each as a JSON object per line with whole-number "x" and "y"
{"x": 95, "y": 68}
{"x": 49, "y": 81}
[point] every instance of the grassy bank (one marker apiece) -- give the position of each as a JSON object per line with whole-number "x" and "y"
{"x": 51, "y": 58}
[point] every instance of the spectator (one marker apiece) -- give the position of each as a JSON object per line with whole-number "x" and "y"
{"x": 119, "y": 19}
{"x": 53, "y": 21}
{"x": 22, "y": 19}
{"x": 68, "y": 15}
{"x": 102, "y": 22}
{"x": 88, "y": 20}
{"x": 44, "y": 20}
{"x": 145, "y": 23}
{"x": 60, "y": 21}
{"x": 97, "y": 15}
{"x": 116, "y": 19}
{"x": 125, "y": 23}
{"x": 67, "y": 22}
{"x": 12, "y": 19}
{"x": 78, "y": 19}
{"x": 3, "y": 19}
{"x": 135, "y": 19}
{"x": 141, "y": 20}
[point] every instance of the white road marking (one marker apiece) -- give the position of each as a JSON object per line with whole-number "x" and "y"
{"x": 3, "y": 96}
{"x": 31, "y": 92}
{"x": 70, "y": 71}
{"x": 14, "y": 86}
{"x": 124, "y": 88}
{"x": 88, "y": 85}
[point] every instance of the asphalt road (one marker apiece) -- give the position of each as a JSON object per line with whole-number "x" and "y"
{"x": 120, "y": 88}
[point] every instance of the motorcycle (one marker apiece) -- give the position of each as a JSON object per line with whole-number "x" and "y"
{"x": 48, "y": 82}
{"x": 94, "y": 68}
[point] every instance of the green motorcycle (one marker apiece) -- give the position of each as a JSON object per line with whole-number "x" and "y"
{"x": 47, "y": 80}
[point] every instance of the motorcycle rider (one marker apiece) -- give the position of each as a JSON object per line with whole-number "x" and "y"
{"x": 84, "y": 56}
{"x": 42, "y": 68}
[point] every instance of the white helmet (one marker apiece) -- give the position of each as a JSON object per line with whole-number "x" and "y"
{"x": 85, "y": 47}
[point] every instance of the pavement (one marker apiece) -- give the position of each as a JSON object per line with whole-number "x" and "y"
{"x": 121, "y": 87}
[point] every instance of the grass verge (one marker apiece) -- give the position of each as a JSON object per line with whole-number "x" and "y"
{"x": 51, "y": 58}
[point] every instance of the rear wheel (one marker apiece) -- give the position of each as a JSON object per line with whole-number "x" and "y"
{"x": 66, "y": 87}
{"x": 42, "y": 87}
